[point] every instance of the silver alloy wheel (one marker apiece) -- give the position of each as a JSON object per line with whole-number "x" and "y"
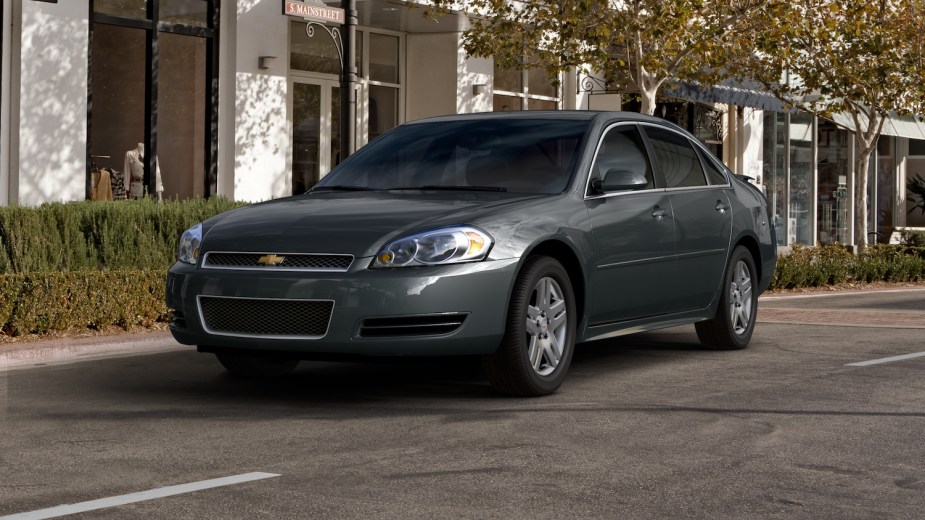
{"x": 547, "y": 326}
{"x": 740, "y": 298}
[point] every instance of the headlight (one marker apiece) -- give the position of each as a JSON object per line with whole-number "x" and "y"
{"x": 189, "y": 245}
{"x": 435, "y": 247}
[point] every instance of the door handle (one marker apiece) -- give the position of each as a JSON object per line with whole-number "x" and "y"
{"x": 660, "y": 213}
{"x": 721, "y": 206}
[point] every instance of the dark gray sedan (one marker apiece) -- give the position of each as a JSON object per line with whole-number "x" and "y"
{"x": 508, "y": 236}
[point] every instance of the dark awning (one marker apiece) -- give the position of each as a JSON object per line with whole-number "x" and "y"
{"x": 743, "y": 94}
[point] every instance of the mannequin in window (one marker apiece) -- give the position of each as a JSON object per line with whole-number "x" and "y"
{"x": 135, "y": 171}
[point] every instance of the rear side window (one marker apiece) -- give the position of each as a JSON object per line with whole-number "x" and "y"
{"x": 714, "y": 174}
{"x": 677, "y": 158}
{"x": 623, "y": 149}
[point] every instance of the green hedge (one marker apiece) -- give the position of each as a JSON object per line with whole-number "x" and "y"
{"x": 92, "y": 265}
{"x": 81, "y": 236}
{"x": 37, "y": 303}
{"x": 834, "y": 264}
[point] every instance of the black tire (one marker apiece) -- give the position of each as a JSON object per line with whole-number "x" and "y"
{"x": 510, "y": 369}
{"x": 732, "y": 326}
{"x": 256, "y": 367}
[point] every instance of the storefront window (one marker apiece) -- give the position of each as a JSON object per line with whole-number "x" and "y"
{"x": 126, "y": 8}
{"x": 886, "y": 166}
{"x": 383, "y": 110}
{"x": 383, "y": 58}
{"x": 915, "y": 184}
{"x": 117, "y": 120}
{"x": 141, "y": 144}
{"x": 181, "y": 115}
{"x": 539, "y": 83}
{"x": 834, "y": 168}
{"x": 315, "y": 53}
{"x": 774, "y": 176}
{"x": 800, "y": 222}
{"x": 306, "y": 136}
{"x": 504, "y": 103}
{"x": 523, "y": 90}
{"x": 508, "y": 79}
{"x": 188, "y": 12}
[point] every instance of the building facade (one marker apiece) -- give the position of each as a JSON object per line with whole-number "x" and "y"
{"x": 242, "y": 99}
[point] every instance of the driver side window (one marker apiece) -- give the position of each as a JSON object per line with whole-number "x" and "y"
{"x": 622, "y": 148}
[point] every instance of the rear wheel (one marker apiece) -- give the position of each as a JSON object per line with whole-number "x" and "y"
{"x": 732, "y": 326}
{"x": 256, "y": 367}
{"x": 537, "y": 347}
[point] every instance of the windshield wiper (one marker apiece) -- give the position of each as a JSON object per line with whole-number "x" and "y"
{"x": 338, "y": 188}
{"x": 452, "y": 188}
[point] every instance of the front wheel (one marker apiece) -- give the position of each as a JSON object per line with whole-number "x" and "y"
{"x": 732, "y": 326}
{"x": 256, "y": 367}
{"x": 539, "y": 339}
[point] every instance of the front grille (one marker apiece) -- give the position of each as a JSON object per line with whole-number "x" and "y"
{"x": 292, "y": 262}
{"x": 431, "y": 324}
{"x": 259, "y": 317}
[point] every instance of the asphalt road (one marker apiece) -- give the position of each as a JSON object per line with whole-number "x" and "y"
{"x": 646, "y": 426}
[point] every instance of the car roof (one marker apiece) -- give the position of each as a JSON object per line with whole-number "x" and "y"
{"x": 572, "y": 115}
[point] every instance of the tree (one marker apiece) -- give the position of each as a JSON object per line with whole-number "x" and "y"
{"x": 639, "y": 44}
{"x": 858, "y": 57}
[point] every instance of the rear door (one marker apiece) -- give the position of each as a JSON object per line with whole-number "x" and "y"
{"x": 702, "y": 215}
{"x": 633, "y": 234}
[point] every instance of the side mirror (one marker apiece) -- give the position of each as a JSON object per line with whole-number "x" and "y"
{"x": 622, "y": 180}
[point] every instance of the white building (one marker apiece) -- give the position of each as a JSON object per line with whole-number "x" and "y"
{"x": 238, "y": 99}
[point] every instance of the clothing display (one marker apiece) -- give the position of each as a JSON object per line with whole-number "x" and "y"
{"x": 103, "y": 187}
{"x": 117, "y": 179}
{"x": 135, "y": 170}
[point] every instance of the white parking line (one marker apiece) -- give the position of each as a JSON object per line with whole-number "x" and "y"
{"x": 81, "y": 507}
{"x": 886, "y": 360}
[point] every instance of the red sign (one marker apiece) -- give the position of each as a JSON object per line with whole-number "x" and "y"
{"x": 313, "y": 11}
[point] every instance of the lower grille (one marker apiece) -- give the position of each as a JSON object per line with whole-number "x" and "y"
{"x": 431, "y": 324}
{"x": 265, "y": 317}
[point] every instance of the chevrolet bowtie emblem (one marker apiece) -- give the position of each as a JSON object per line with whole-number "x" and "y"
{"x": 271, "y": 260}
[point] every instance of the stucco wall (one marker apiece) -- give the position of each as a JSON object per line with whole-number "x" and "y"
{"x": 261, "y": 128}
{"x": 432, "y": 74}
{"x": 49, "y": 163}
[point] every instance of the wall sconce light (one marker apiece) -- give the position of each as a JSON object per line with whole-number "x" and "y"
{"x": 265, "y": 62}
{"x": 479, "y": 88}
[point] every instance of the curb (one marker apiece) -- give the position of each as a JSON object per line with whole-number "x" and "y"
{"x": 62, "y": 351}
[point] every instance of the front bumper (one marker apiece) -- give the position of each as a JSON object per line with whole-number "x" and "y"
{"x": 478, "y": 290}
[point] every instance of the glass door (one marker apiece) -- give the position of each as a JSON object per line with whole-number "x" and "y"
{"x": 315, "y": 131}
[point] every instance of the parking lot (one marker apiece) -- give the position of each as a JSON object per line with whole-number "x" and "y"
{"x": 808, "y": 422}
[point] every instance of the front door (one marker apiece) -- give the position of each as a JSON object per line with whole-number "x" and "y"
{"x": 315, "y": 130}
{"x": 633, "y": 234}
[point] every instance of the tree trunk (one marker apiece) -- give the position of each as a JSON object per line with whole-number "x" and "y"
{"x": 860, "y": 194}
{"x": 648, "y": 100}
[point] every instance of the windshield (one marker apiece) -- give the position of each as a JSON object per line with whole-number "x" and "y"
{"x": 514, "y": 155}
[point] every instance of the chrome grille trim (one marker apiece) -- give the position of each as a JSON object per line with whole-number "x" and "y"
{"x": 279, "y": 318}
{"x": 303, "y": 262}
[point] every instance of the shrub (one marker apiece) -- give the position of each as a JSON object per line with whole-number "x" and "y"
{"x": 43, "y": 302}
{"x": 79, "y": 236}
{"x": 834, "y": 264}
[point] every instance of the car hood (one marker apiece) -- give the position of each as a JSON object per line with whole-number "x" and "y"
{"x": 356, "y": 223}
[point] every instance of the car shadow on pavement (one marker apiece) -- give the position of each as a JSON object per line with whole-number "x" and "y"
{"x": 389, "y": 380}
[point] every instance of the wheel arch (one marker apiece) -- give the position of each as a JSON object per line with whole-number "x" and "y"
{"x": 562, "y": 252}
{"x": 751, "y": 243}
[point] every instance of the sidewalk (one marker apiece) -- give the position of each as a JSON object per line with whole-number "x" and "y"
{"x": 810, "y": 307}
{"x": 67, "y": 350}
